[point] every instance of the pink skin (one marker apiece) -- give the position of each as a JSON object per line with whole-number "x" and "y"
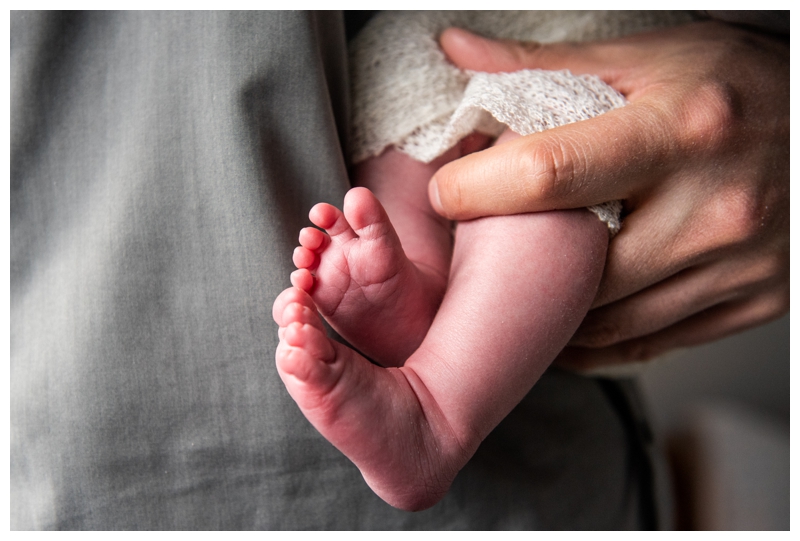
{"x": 359, "y": 406}
{"x": 379, "y": 283}
{"x": 518, "y": 288}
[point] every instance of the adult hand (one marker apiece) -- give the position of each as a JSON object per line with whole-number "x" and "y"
{"x": 700, "y": 157}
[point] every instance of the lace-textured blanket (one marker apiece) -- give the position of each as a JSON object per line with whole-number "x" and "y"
{"x": 406, "y": 94}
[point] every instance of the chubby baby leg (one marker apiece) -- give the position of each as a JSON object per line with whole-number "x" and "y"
{"x": 520, "y": 285}
{"x": 383, "y": 419}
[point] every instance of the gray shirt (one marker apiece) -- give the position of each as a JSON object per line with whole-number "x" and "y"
{"x": 162, "y": 165}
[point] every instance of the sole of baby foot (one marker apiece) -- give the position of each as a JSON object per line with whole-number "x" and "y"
{"x": 382, "y": 419}
{"x": 361, "y": 280}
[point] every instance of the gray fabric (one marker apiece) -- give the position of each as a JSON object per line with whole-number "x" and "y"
{"x": 162, "y": 166}
{"x": 770, "y": 21}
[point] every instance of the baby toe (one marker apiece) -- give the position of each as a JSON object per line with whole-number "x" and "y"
{"x": 310, "y": 339}
{"x": 313, "y": 239}
{"x": 302, "y": 279}
{"x": 303, "y": 258}
{"x": 299, "y": 313}
{"x": 287, "y": 297}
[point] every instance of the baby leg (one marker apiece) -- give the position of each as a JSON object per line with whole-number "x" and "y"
{"x": 383, "y": 419}
{"x": 520, "y": 285}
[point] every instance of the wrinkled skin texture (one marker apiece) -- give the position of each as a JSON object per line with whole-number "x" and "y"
{"x": 700, "y": 157}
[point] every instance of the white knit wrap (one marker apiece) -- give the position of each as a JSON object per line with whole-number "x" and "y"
{"x": 406, "y": 94}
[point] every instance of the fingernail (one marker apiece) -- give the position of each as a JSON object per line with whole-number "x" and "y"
{"x": 433, "y": 195}
{"x": 460, "y": 34}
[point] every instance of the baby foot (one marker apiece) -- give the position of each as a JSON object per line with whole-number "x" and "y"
{"x": 383, "y": 419}
{"x": 362, "y": 281}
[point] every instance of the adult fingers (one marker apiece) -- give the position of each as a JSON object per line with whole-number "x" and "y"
{"x": 675, "y": 299}
{"x": 581, "y": 164}
{"x": 712, "y": 324}
{"x": 676, "y": 227}
{"x": 472, "y": 52}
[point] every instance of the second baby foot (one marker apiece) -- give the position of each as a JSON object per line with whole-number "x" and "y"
{"x": 361, "y": 280}
{"x": 383, "y": 419}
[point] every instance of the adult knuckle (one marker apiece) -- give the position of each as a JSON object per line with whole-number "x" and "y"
{"x": 734, "y": 218}
{"x": 773, "y": 268}
{"x": 712, "y": 113}
{"x": 551, "y": 170}
{"x": 762, "y": 273}
{"x": 769, "y": 270}
{"x": 640, "y": 350}
{"x": 768, "y": 307}
{"x": 533, "y": 54}
{"x": 778, "y": 303}
{"x": 602, "y": 335}
{"x": 526, "y": 52}
{"x": 770, "y": 278}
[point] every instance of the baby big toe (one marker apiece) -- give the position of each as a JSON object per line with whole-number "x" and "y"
{"x": 366, "y": 214}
